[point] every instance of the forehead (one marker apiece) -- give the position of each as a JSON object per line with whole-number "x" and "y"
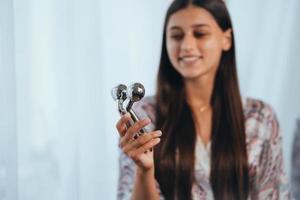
{"x": 190, "y": 16}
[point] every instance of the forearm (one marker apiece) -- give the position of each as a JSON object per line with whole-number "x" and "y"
{"x": 144, "y": 186}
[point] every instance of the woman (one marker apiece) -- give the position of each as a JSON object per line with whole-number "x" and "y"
{"x": 212, "y": 143}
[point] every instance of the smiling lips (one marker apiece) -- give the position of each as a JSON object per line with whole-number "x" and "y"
{"x": 189, "y": 59}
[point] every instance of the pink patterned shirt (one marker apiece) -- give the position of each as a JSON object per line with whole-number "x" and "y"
{"x": 264, "y": 146}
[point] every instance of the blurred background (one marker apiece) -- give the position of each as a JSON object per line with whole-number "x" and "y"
{"x": 60, "y": 58}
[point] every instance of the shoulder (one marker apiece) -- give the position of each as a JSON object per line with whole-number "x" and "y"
{"x": 260, "y": 119}
{"x": 145, "y": 107}
{"x": 258, "y": 109}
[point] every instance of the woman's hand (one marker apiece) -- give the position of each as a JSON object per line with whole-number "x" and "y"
{"x": 138, "y": 149}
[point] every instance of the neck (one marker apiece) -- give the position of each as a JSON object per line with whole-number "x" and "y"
{"x": 199, "y": 92}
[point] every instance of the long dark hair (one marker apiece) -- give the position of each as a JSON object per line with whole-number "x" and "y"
{"x": 175, "y": 155}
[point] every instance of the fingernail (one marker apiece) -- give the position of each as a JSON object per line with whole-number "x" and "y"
{"x": 124, "y": 116}
{"x": 156, "y": 133}
{"x": 147, "y": 120}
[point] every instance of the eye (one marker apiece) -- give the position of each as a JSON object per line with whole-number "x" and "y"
{"x": 177, "y": 37}
{"x": 199, "y": 34}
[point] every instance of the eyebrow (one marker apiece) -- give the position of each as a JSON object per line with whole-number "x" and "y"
{"x": 194, "y": 26}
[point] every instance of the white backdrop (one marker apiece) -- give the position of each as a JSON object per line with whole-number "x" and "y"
{"x": 268, "y": 49}
{"x": 8, "y": 141}
{"x": 59, "y": 60}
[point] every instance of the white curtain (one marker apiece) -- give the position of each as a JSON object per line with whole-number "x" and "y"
{"x": 59, "y": 60}
{"x": 268, "y": 47}
{"x": 8, "y": 141}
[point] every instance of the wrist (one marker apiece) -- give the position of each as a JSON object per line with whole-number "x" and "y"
{"x": 145, "y": 187}
{"x": 142, "y": 172}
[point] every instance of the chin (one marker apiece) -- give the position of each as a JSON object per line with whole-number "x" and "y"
{"x": 192, "y": 76}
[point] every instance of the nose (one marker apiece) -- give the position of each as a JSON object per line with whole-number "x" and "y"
{"x": 188, "y": 43}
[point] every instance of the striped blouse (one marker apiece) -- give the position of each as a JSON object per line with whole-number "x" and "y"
{"x": 264, "y": 146}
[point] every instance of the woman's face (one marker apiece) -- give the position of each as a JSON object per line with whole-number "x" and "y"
{"x": 195, "y": 42}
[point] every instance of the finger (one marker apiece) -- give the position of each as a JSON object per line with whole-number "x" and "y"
{"x": 136, "y": 127}
{"x": 140, "y": 141}
{"x": 134, "y": 155}
{"x": 131, "y": 132}
{"x": 121, "y": 124}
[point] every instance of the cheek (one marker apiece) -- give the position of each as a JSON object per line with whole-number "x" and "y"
{"x": 211, "y": 49}
{"x": 172, "y": 50}
{"x": 211, "y": 44}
